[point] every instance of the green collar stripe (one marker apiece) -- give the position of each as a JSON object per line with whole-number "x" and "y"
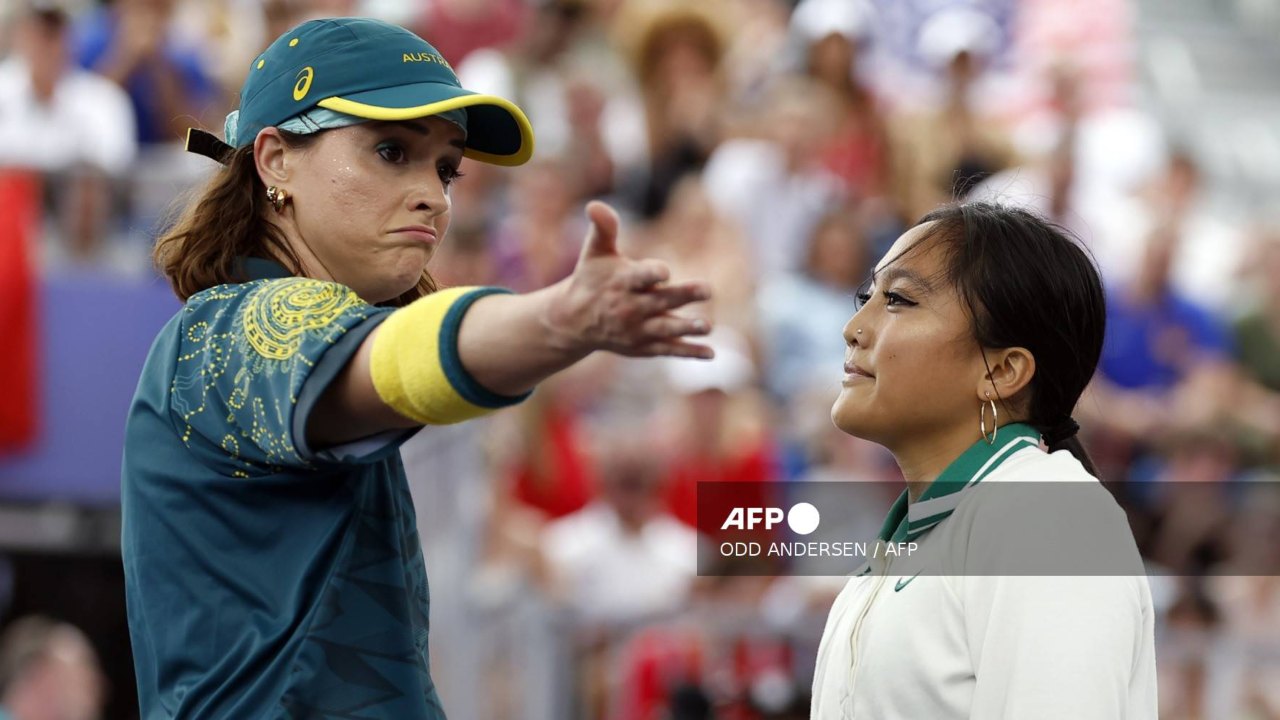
{"x": 932, "y": 519}
{"x": 913, "y": 533}
{"x": 909, "y": 520}
{"x": 894, "y": 518}
{"x": 1005, "y": 452}
{"x": 976, "y": 463}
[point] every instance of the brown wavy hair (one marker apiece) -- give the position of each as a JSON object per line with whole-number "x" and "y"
{"x": 228, "y": 219}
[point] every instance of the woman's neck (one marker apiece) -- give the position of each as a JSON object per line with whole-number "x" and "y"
{"x": 312, "y": 267}
{"x": 922, "y": 459}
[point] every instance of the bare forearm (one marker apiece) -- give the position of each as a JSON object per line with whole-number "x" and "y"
{"x": 509, "y": 343}
{"x": 407, "y": 370}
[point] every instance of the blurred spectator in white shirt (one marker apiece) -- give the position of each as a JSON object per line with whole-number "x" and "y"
{"x": 622, "y": 559}
{"x": 774, "y": 184}
{"x": 1084, "y": 163}
{"x": 54, "y": 117}
{"x": 70, "y": 125}
{"x": 1210, "y": 250}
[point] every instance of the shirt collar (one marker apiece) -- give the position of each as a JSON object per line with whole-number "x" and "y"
{"x": 907, "y": 521}
{"x": 255, "y": 268}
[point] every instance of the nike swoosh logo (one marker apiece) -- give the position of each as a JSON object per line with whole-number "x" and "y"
{"x": 897, "y": 587}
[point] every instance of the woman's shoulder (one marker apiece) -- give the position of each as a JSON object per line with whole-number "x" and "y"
{"x": 232, "y": 292}
{"x": 274, "y": 318}
{"x": 1033, "y": 464}
{"x": 1032, "y": 477}
{"x": 283, "y": 299}
{"x": 1044, "y": 511}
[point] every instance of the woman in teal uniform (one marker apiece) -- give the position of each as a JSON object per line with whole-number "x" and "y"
{"x": 272, "y": 563}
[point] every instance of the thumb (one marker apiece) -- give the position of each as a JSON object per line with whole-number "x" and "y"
{"x": 602, "y": 239}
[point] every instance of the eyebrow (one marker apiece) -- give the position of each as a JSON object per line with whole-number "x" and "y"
{"x": 889, "y": 274}
{"x": 423, "y": 129}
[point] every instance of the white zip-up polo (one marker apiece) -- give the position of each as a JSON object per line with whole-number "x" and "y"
{"x": 956, "y": 645}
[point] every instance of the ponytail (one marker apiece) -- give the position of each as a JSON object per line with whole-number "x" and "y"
{"x": 1064, "y": 436}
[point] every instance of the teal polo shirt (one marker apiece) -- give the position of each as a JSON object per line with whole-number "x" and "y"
{"x": 265, "y": 578}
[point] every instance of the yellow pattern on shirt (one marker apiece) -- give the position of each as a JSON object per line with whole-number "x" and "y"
{"x": 278, "y": 314}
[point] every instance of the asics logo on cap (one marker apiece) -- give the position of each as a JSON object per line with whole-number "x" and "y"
{"x": 303, "y": 86}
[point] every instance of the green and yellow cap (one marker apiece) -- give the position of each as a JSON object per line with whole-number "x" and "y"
{"x": 372, "y": 70}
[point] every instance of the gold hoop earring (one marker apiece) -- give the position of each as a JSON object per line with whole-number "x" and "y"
{"x": 982, "y": 420}
{"x": 277, "y": 198}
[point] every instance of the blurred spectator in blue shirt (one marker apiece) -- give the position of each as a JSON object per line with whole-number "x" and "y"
{"x": 130, "y": 43}
{"x": 801, "y": 314}
{"x": 1166, "y": 365}
{"x": 1155, "y": 337}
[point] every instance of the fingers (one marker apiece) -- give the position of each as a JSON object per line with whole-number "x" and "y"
{"x": 602, "y": 239}
{"x": 676, "y": 348}
{"x": 647, "y": 273}
{"x": 669, "y": 297}
{"x": 673, "y": 326}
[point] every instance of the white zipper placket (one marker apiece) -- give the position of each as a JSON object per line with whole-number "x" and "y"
{"x": 857, "y": 627}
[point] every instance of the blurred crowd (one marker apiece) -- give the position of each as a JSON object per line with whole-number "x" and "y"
{"x": 775, "y": 149}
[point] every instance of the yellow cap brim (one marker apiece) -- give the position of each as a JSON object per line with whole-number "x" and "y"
{"x": 493, "y": 122}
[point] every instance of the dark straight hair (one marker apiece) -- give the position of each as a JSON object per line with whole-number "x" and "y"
{"x": 1027, "y": 282}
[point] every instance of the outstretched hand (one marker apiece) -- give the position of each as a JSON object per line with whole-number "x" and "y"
{"x": 625, "y": 306}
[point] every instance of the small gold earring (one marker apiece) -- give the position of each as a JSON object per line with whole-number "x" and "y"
{"x": 982, "y": 420}
{"x": 277, "y": 198}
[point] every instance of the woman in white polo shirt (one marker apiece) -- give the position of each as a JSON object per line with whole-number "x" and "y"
{"x": 979, "y": 331}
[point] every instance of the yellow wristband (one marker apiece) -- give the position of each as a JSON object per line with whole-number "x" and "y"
{"x": 416, "y": 367}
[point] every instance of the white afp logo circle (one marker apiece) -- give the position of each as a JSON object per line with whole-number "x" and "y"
{"x": 803, "y": 518}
